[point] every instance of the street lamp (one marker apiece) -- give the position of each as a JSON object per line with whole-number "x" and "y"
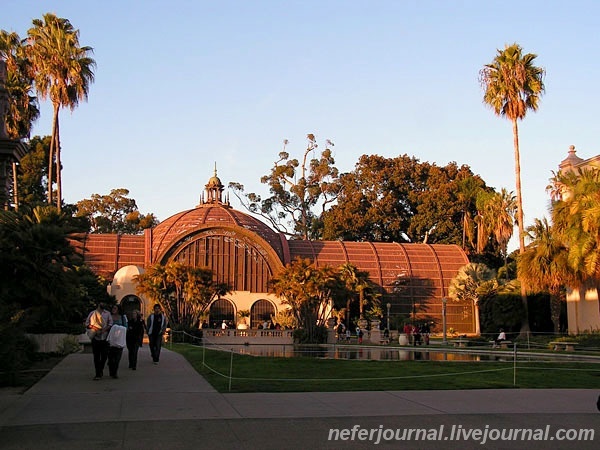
{"x": 389, "y": 305}
{"x": 444, "y": 301}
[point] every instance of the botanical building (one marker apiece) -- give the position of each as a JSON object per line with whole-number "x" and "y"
{"x": 245, "y": 253}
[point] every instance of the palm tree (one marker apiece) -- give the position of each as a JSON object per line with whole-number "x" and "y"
{"x": 576, "y": 218}
{"x": 466, "y": 195}
{"x": 499, "y": 213}
{"x": 22, "y": 106}
{"x": 468, "y": 285}
{"x": 514, "y": 85}
{"x": 63, "y": 72}
{"x": 544, "y": 265}
{"x": 356, "y": 282}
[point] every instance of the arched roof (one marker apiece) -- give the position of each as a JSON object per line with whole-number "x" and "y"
{"x": 387, "y": 261}
{"x": 217, "y": 215}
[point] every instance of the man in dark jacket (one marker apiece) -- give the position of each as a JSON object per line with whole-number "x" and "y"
{"x": 156, "y": 326}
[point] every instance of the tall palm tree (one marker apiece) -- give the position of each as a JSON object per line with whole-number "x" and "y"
{"x": 63, "y": 71}
{"x": 544, "y": 265}
{"x": 514, "y": 85}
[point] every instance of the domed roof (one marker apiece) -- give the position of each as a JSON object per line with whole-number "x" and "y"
{"x": 214, "y": 215}
{"x": 572, "y": 160}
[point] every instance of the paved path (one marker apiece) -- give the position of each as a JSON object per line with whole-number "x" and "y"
{"x": 170, "y": 406}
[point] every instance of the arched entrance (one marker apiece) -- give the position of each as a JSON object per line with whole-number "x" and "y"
{"x": 261, "y": 311}
{"x": 129, "y": 303}
{"x": 221, "y": 310}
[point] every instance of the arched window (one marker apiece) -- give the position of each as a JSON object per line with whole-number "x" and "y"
{"x": 130, "y": 303}
{"x": 221, "y": 310}
{"x": 261, "y": 311}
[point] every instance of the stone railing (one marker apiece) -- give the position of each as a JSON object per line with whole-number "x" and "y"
{"x": 251, "y": 336}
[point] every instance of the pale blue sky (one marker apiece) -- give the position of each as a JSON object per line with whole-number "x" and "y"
{"x": 182, "y": 84}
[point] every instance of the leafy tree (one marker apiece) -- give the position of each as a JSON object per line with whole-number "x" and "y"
{"x": 114, "y": 213}
{"x": 32, "y": 177}
{"x": 544, "y": 266}
{"x": 63, "y": 71}
{"x": 296, "y": 189}
{"x": 398, "y": 200}
{"x": 504, "y": 310}
{"x": 472, "y": 282}
{"x": 184, "y": 292}
{"x": 23, "y": 108}
{"x": 513, "y": 85}
{"x": 308, "y": 291}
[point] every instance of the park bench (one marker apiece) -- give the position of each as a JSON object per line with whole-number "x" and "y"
{"x": 460, "y": 342}
{"x": 561, "y": 345}
{"x": 502, "y": 344}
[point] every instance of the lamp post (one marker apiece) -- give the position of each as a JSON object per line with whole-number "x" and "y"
{"x": 444, "y": 301}
{"x": 389, "y": 305}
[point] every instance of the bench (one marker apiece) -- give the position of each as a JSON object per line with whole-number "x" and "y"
{"x": 460, "y": 342}
{"x": 502, "y": 344}
{"x": 561, "y": 345}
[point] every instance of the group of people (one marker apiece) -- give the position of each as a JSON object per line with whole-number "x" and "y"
{"x": 417, "y": 334}
{"x": 111, "y": 331}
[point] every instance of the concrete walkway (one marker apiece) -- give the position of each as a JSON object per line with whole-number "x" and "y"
{"x": 170, "y": 406}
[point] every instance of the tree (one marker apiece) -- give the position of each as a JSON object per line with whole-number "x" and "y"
{"x": 44, "y": 280}
{"x": 471, "y": 283}
{"x": 399, "y": 200}
{"x": 63, "y": 71}
{"x": 22, "y": 105}
{"x": 308, "y": 291}
{"x": 576, "y": 219}
{"x": 357, "y": 283}
{"x": 114, "y": 213}
{"x": 514, "y": 85}
{"x": 32, "y": 176}
{"x": 544, "y": 265}
{"x": 296, "y": 189}
{"x": 184, "y": 292}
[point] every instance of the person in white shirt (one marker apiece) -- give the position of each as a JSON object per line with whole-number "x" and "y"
{"x": 99, "y": 321}
{"x": 501, "y": 337}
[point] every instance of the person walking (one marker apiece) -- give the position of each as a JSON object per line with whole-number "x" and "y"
{"x": 98, "y": 323}
{"x": 115, "y": 350}
{"x": 135, "y": 336}
{"x": 156, "y": 326}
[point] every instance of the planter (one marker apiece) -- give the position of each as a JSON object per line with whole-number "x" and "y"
{"x": 403, "y": 339}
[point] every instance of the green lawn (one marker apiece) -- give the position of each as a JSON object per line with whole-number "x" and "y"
{"x": 305, "y": 374}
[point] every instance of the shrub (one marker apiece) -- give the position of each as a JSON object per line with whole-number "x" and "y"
{"x": 69, "y": 344}
{"x": 16, "y": 353}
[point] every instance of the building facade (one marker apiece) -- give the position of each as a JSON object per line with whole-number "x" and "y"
{"x": 245, "y": 253}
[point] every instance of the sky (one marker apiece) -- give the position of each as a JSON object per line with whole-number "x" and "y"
{"x": 183, "y": 85}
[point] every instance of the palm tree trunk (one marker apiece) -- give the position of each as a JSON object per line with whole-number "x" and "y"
{"x": 58, "y": 168}
{"x": 51, "y": 154}
{"x": 525, "y": 324}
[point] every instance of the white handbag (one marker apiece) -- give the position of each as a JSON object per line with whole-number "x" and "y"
{"x": 117, "y": 335}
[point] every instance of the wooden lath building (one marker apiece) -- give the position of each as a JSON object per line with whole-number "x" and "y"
{"x": 246, "y": 253}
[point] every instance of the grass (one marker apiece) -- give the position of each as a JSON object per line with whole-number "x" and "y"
{"x": 306, "y": 374}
